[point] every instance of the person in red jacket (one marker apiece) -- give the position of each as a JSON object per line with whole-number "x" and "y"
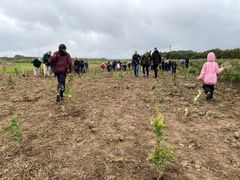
{"x": 61, "y": 64}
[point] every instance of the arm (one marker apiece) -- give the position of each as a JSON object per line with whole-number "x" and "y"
{"x": 202, "y": 72}
{"x": 219, "y": 70}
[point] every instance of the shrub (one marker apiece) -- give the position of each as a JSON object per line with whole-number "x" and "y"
{"x": 162, "y": 152}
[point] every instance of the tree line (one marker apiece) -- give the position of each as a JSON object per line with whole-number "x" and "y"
{"x": 220, "y": 54}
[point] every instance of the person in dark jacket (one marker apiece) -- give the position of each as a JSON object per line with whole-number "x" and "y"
{"x": 76, "y": 66}
{"x": 46, "y": 68}
{"x": 61, "y": 65}
{"x": 86, "y": 66}
{"x": 174, "y": 67}
{"x": 36, "y": 64}
{"x": 146, "y": 62}
{"x": 156, "y": 60}
{"x": 135, "y": 61}
{"x": 187, "y": 62}
{"x": 82, "y": 67}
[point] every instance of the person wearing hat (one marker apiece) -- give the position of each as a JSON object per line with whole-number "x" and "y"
{"x": 61, "y": 64}
{"x": 156, "y": 60}
{"x": 46, "y": 68}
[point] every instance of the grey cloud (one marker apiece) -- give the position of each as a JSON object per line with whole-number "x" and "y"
{"x": 110, "y": 28}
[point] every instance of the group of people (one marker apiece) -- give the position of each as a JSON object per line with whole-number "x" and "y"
{"x": 60, "y": 64}
{"x": 80, "y": 66}
{"x": 153, "y": 62}
{"x": 184, "y": 62}
{"x": 37, "y": 64}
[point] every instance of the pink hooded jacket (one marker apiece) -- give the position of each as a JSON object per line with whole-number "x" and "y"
{"x": 210, "y": 70}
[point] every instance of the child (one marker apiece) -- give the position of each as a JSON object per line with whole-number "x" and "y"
{"x": 209, "y": 73}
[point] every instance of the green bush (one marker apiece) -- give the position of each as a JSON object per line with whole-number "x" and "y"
{"x": 231, "y": 72}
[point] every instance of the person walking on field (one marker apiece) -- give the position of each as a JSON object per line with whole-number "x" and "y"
{"x": 156, "y": 59}
{"x": 46, "y": 68}
{"x": 36, "y": 65}
{"x": 146, "y": 62}
{"x": 174, "y": 67}
{"x": 208, "y": 74}
{"x": 187, "y": 62}
{"x": 61, "y": 64}
{"x": 135, "y": 62}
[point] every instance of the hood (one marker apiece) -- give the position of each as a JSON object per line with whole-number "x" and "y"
{"x": 211, "y": 57}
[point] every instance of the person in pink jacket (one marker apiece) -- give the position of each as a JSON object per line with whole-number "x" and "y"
{"x": 209, "y": 73}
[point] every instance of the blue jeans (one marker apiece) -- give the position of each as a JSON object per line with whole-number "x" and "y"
{"x": 135, "y": 67}
{"x": 61, "y": 83}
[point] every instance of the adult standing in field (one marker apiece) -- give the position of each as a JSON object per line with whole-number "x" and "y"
{"x": 61, "y": 64}
{"x": 36, "y": 66}
{"x": 86, "y": 66}
{"x": 135, "y": 61}
{"x": 46, "y": 68}
{"x": 187, "y": 62}
{"x": 146, "y": 62}
{"x": 156, "y": 60}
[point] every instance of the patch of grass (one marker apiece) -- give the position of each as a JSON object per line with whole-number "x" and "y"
{"x": 16, "y": 67}
{"x": 231, "y": 71}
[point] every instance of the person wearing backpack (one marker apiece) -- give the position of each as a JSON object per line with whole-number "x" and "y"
{"x": 61, "y": 64}
{"x": 36, "y": 65}
{"x": 46, "y": 68}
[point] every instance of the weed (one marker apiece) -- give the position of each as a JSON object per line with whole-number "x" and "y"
{"x": 16, "y": 71}
{"x": 15, "y": 129}
{"x": 121, "y": 75}
{"x": 68, "y": 88}
{"x": 175, "y": 79}
{"x": 10, "y": 82}
{"x": 154, "y": 88}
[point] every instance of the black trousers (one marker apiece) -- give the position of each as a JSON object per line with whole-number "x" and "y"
{"x": 155, "y": 69}
{"x": 145, "y": 67}
{"x": 208, "y": 88}
{"x": 61, "y": 83}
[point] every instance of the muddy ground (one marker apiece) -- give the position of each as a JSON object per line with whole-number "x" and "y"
{"x": 104, "y": 132}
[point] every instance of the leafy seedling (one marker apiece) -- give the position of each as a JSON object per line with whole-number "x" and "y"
{"x": 15, "y": 130}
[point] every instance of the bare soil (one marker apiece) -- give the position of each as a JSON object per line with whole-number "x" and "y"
{"x": 104, "y": 132}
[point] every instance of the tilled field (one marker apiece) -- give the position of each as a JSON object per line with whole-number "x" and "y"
{"x": 104, "y": 132}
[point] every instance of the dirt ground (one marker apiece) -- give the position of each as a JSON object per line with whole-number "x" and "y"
{"x": 104, "y": 132}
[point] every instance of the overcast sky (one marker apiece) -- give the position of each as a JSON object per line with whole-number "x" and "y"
{"x": 115, "y": 28}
